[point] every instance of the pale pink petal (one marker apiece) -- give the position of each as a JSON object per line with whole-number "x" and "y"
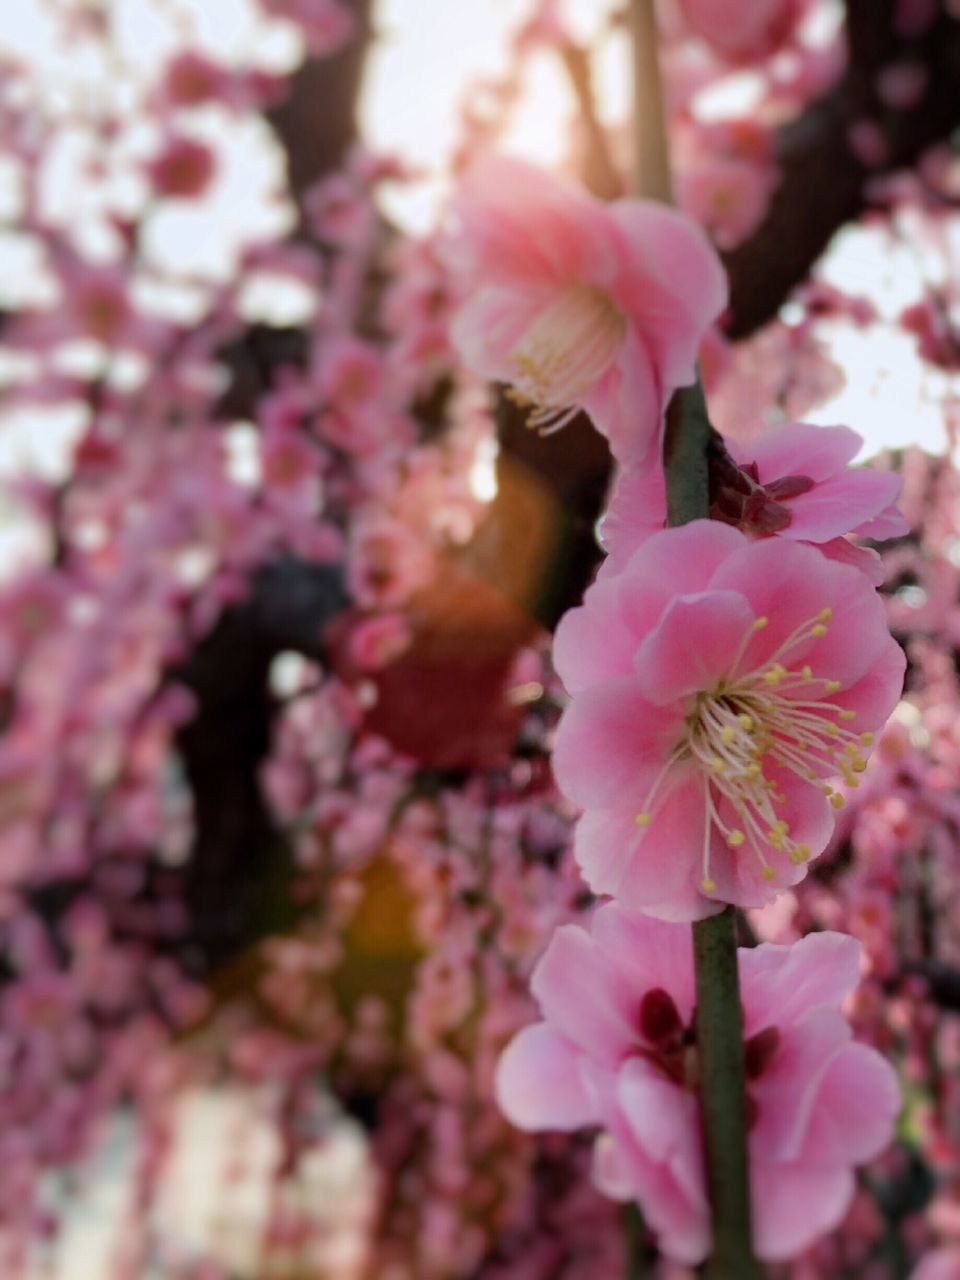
{"x": 654, "y": 869}
{"x": 855, "y": 1110}
{"x": 672, "y": 284}
{"x": 874, "y": 696}
{"x": 627, "y": 405}
{"x": 864, "y": 559}
{"x": 665, "y": 1122}
{"x": 521, "y": 223}
{"x": 637, "y": 509}
{"x": 491, "y": 322}
{"x": 787, "y": 1092}
{"x": 591, "y": 643}
{"x": 583, "y": 997}
{"x": 790, "y": 584}
{"x": 675, "y": 660}
{"x": 841, "y": 503}
{"x": 781, "y": 982}
{"x": 798, "y": 449}
{"x": 650, "y": 953}
{"x": 673, "y": 562}
{"x": 538, "y": 1083}
{"x": 793, "y": 1207}
{"x": 611, "y": 743}
{"x": 682, "y": 1226}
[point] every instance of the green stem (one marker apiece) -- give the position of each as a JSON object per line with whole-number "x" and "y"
{"x": 722, "y": 1097}
{"x": 719, "y": 1021}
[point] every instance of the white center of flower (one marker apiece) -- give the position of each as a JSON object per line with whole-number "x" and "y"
{"x": 569, "y": 345}
{"x": 771, "y": 715}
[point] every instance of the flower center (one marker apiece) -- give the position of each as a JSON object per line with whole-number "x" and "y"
{"x": 570, "y": 344}
{"x": 770, "y": 716}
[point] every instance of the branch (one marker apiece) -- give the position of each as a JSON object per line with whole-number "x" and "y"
{"x": 823, "y": 184}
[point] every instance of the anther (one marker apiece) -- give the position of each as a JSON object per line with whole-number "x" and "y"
{"x": 736, "y": 838}
{"x": 760, "y": 623}
{"x": 642, "y": 819}
{"x": 708, "y": 885}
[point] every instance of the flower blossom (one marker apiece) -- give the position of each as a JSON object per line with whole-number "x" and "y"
{"x": 793, "y": 482}
{"x": 580, "y": 305}
{"x": 617, "y": 1051}
{"x": 721, "y": 687}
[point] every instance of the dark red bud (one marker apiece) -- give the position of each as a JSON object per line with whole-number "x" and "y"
{"x": 659, "y": 1019}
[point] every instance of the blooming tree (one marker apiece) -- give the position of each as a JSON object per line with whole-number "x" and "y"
{"x": 338, "y": 747}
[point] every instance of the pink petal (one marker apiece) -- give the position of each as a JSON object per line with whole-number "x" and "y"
{"x": 538, "y": 1084}
{"x": 786, "y": 1094}
{"x": 520, "y": 223}
{"x": 671, "y": 284}
{"x": 781, "y": 982}
{"x": 653, "y": 869}
{"x": 591, "y": 643}
{"x": 874, "y": 696}
{"x": 659, "y": 1141}
{"x": 696, "y": 643}
{"x": 793, "y": 1207}
{"x": 627, "y": 405}
{"x": 637, "y": 509}
{"x": 841, "y": 503}
{"x": 674, "y": 562}
{"x": 611, "y": 743}
{"x": 492, "y": 320}
{"x": 855, "y": 1111}
{"x": 585, "y": 999}
{"x": 649, "y": 953}
{"x": 798, "y": 449}
{"x": 790, "y": 583}
{"x": 864, "y": 559}
{"x": 665, "y": 1121}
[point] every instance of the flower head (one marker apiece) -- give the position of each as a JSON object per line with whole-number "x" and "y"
{"x": 721, "y": 688}
{"x": 617, "y": 1050}
{"x": 579, "y": 304}
{"x": 794, "y": 482}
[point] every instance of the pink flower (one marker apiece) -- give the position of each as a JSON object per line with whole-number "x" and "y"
{"x": 719, "y": 686}
{"x": 580, "y": 304}
{"x": 743, "y": 32}
{"x": 617, "y": 1051}
{"x": 796, "y": 484}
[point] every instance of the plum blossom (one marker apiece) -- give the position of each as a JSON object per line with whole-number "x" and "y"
{"x": 580, "y": 305}
{"x": 617, "y": 1050}
{"x": 793, "y": 481}
{"x": 720, "y": 688}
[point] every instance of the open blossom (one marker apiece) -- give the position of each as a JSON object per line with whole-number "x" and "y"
{"x": 579, "y": 304}
{"x": 794, "y": 482}
{"x": 721, "y": 686}
{"x": 617, "y": 1050}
